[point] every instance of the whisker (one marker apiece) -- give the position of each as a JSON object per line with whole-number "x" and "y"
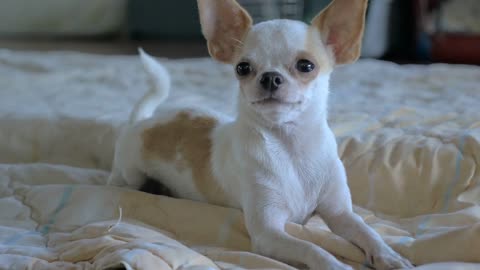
{"x": 237, "y": 46}
{"x": 239, "y": 41}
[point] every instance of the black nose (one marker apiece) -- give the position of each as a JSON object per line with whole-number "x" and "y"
{"x": 271, "y": 81}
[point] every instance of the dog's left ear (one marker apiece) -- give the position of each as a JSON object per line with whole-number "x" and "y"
{"x": 341, "y": 26}
{"x": 224, "y": 25}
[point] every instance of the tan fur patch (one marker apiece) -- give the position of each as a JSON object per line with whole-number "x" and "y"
{"x": 317, "y": 57}
{"x": 224, "y": 24}
{"x": 316, "y": 52}
{"x": 188, "y": 136}
{"x": 342, "y": 25}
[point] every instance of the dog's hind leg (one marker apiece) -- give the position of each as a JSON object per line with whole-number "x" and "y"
{"x": 115, "y": 179}
{"x": 131, "y": 178}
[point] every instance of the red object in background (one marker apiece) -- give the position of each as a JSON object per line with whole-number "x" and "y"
{"x": 445, "y": 46}
{"x": 456, "y": 48}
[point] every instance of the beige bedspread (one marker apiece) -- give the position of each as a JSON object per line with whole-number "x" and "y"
{"x": 408, "y": 135}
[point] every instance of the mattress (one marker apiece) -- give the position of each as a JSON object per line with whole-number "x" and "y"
{"x": 408, "y": 136}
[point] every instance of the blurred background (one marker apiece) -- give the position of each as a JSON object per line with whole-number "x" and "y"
{"x": 404, "y": 31}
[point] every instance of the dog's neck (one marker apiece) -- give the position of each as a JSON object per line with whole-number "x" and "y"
{"x": 310, "y": 121}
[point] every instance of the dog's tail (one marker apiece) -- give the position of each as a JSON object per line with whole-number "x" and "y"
{"x": 159, "y": 88}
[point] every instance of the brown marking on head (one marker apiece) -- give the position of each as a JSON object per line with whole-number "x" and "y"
{"x": 188, "y": 136}
{"x": 316, "y": 52}
{"x": 224, "y": 25}
{"x": 341, "y": 25}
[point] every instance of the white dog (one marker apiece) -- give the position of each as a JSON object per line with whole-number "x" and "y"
{"x": 277, "y": 161}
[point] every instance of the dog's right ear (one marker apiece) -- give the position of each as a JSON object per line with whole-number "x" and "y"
{"x": 224, "y": 25}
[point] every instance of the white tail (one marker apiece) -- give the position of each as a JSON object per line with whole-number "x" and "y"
{"x": 159, "y": 83}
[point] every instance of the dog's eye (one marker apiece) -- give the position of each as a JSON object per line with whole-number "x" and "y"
{"x": 305, "y": 66}
{"x": 243, "y": 69}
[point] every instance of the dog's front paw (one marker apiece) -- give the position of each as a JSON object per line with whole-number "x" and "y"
{"x": 387, "y": 259}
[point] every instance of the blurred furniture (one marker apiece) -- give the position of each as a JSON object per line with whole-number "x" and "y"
{"x": 61, "y": 18}
{"x": 262, "y": 10}
{"x": 448, "y": 30}
{"x": 153, "y": 19}
{"x": 376, "y": 38}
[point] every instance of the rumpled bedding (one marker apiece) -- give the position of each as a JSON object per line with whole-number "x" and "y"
{"x": 408, "y": 136}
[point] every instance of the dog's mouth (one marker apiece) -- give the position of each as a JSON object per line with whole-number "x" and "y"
{"x": 274, "y": 101}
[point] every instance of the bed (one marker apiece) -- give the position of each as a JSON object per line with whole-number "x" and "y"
{"x": 408, "y": 135}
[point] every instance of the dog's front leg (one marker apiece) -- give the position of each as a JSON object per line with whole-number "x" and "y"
{"x": 336, "y": 210}
{"x": 379, "y": 255}
{"x": 265, "y": 220}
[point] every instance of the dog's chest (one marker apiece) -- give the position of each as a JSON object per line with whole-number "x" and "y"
{"x": 310, "y": 173}
{"x": 301, "y": 174}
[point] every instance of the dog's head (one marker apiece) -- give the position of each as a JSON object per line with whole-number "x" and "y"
{"x": 283, "y": 66}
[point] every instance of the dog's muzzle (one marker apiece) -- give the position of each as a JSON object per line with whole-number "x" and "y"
{"x": 271, "y": 81}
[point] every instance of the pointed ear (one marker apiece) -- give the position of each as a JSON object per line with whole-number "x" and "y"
{"x": 224, "y": 25}
{"x": 341, "y": 26}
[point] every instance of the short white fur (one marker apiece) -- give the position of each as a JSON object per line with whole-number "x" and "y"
{"x": 277, "y": 161}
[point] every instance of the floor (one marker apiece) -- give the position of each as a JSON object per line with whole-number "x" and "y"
{"x": 170, "y": 49}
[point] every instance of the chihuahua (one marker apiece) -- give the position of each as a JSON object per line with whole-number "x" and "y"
{"x": 277, "y": 159}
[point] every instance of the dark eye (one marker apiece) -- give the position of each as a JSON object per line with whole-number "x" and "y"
{"x": 305, "y": 66}
{"x": 243, "y": 69}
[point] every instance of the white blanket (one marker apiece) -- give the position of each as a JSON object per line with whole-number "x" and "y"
{"x": 408, "y": 135}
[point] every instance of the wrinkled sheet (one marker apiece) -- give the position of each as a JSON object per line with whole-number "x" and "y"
{"x": 408, "y": 135}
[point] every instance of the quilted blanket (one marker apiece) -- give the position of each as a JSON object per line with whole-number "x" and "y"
{"x": 408, "y": 135}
